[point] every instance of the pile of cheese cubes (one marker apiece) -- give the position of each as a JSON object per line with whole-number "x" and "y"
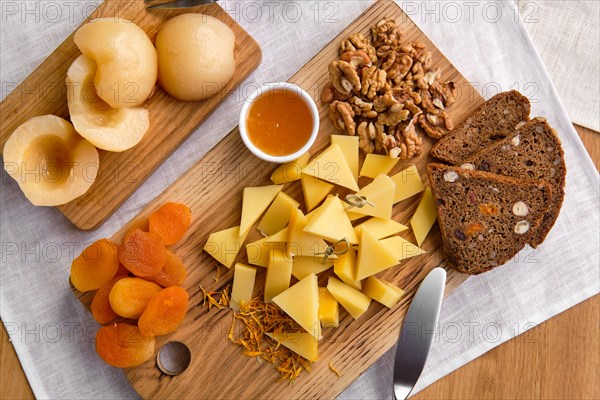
{"x": 294, "y": 243}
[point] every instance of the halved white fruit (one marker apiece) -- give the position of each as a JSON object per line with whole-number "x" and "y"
{"x": 127, "y": 60}
{"x": 51, "y": 163}
{"x": 105, "y": 127}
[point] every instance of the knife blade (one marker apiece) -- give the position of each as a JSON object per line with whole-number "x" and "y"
{"x": 417, "y": 333}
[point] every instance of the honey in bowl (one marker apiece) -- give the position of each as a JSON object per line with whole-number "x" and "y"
{"x": 279, "y": 122}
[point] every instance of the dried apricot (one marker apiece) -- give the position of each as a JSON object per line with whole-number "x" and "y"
{"x": 474, "y": 227}
{"x": 141, "y": 223}
{"x": 123, "y": 346}
{"x": 171, "y": 221}
{"x": 122, "y": 270}
{"x": 130, "y": 296}
{"x": 165, "y": 312}
{"x": 101, "y": 309}
{"x": 172, "y": 274}
{"x": 488, "y": 209}
{"x": 142, "y": 253}
{"x": 95, "y": 266}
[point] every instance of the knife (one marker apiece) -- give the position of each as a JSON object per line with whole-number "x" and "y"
{"x": 418, "y": 331}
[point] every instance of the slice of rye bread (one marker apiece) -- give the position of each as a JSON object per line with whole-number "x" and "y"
{"x": 493, "y": 120}
{"x": 532, "y": 151}
{"x": 485, "y": 219}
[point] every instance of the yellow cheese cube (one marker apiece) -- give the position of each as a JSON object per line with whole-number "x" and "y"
{"x": 310, "y": 214}
{"x": 355, "y": 302}
{"x": 314, "y": 211}
{"x": 352, "y": 216}
{"x": 279, "y": 237}
{"x": 301, "y": 303}
{"x": 424, "y": 216}
{"x": 380, "y": 193}
{"x": 291, "y": 171}
{"x": 299, "y": 242}
{"x": 408, "y": 183}
{"x": 381, "y": 228}
{"x": 331, "y": 222}
{"x": 278, "y": 214}
{"x": 373, "y": 256}
{"x": 315, "y": 190}
{"x": 259, "y": 252}
{"x": 243, "y": 286}
{"x": 225, "y": 245}
{"x": 402, "y": 248}
{"x": 331, "y": 166}
{"x": 383, "y": 292}
{"x": 255, "y": 202}
{"x": 304, "y": 266}
{"x": 376, "y": 164}
{"x": 329, "y": 311}
{"x": 345, "y": 268}
{"x": 279, "y": 274}
{"x": 349, "y": 146}
{"x": 301, "y": 343}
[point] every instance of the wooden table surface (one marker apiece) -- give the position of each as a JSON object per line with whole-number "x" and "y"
{"x": 558, "y": 359}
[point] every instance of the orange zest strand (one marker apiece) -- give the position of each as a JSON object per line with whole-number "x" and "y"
{"x": 258, "y": 318}
{"x": 224, "y": 299}
{"x": 334, "y": 370}
{"x": 209, "y": 297}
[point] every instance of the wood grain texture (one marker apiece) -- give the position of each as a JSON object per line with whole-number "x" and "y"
{"x": 558, "y": 359}
{"x": 13, "y": 382}
{"x": 171, "y": 120}
{"x": 213, "y": 190}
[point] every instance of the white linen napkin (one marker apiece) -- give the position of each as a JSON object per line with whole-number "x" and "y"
{"x": 54, "y": 335}
{"x": 567, "y": 36}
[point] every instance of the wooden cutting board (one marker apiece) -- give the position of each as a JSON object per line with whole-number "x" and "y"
{"x": 171, "y": 120}
{"x": 213, "y": 189}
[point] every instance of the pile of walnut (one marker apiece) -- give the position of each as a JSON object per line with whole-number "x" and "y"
{"x": 383, "y": 89}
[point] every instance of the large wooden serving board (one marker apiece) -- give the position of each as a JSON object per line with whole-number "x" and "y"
{"x": 213, "y": 189}
{"x": 171, "y": 120}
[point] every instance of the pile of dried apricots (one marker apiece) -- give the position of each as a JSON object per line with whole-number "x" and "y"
{"x": 140, "y": 279}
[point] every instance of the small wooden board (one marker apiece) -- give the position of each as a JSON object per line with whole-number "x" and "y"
{"x": 213, "y": 189}
{"x": 171, "y": 120}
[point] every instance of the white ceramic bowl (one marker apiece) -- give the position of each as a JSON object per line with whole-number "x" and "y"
{"x": 307, "y": 100}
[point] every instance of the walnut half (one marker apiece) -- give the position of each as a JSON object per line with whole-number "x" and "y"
{"x": 344, "y": 77}
{"x": 342, "y": 116}
{"x": 408, "y": 140}
{"x": 436, "y": 125}
{"x": 330, "y": 94}
{"x": 366, "y": 133}
{"x": 356, "y": 42}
